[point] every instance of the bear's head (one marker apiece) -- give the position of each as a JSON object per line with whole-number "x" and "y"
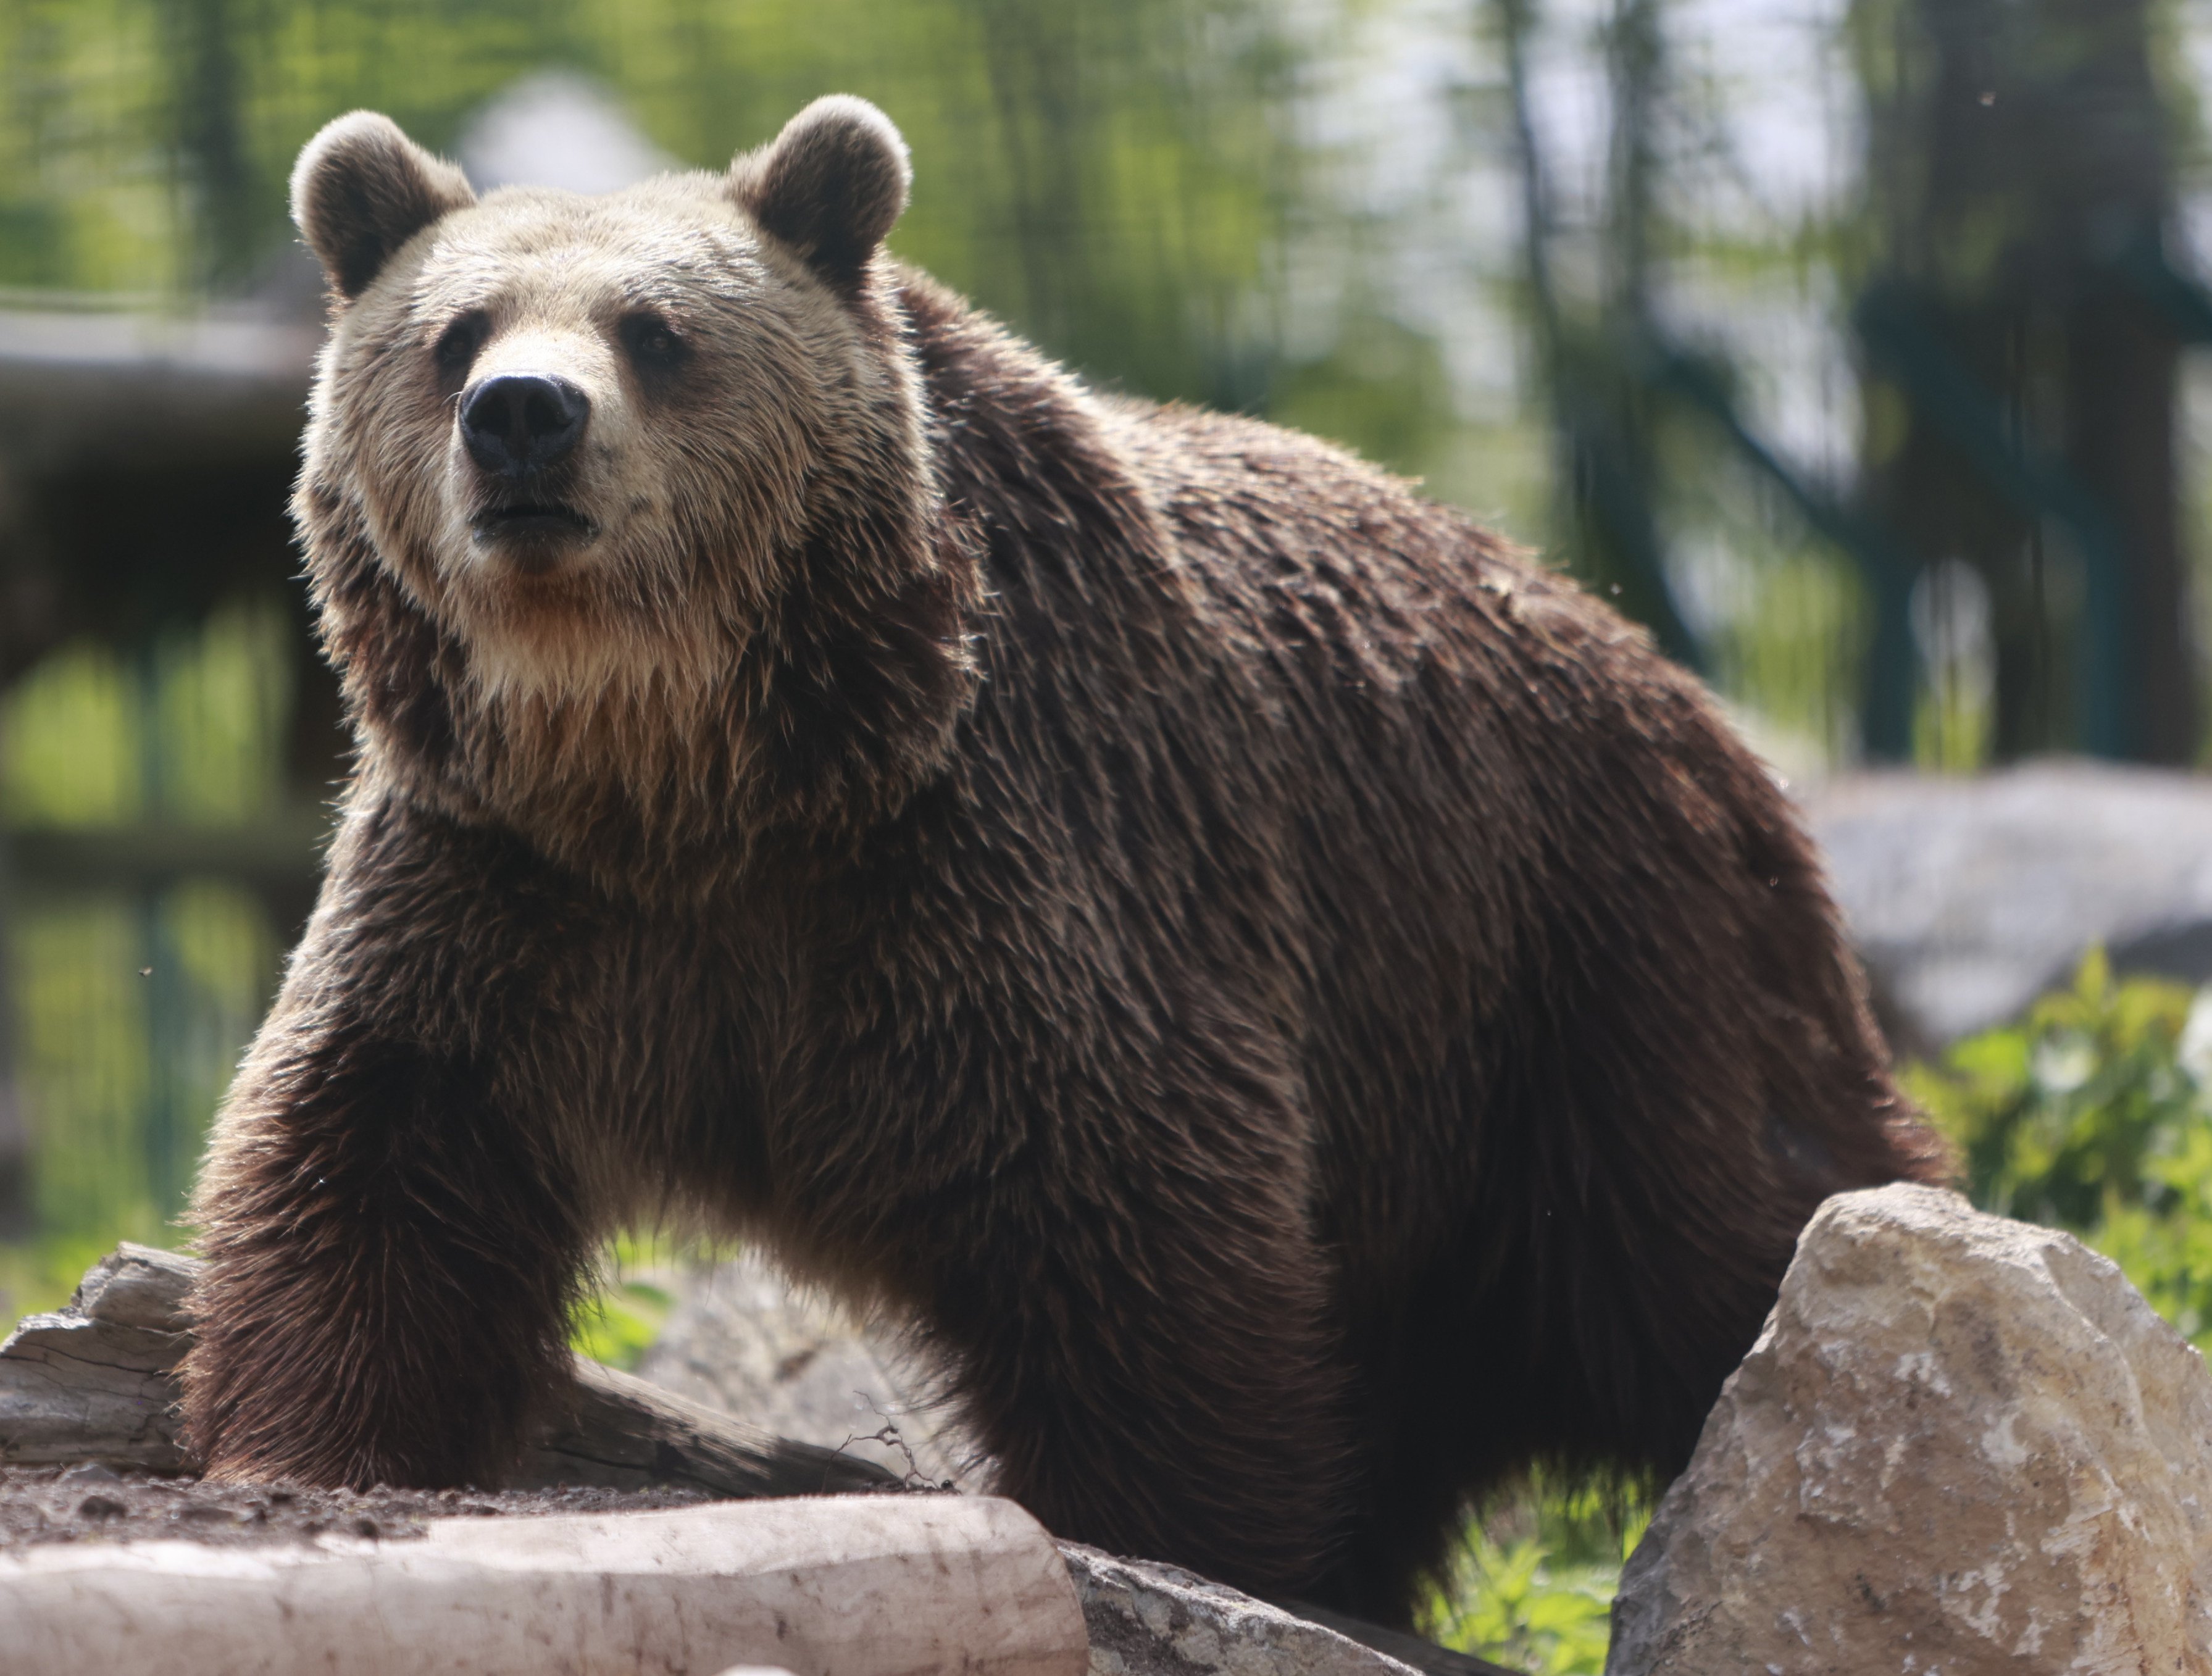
{"x": 621, "y": 512}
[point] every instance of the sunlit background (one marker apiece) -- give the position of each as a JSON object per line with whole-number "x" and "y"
{"x": 1850, "y": 344}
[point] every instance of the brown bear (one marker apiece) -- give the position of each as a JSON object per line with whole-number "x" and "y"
{"x": 1306, "y": 1011}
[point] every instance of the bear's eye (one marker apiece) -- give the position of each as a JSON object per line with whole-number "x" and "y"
{"x": 652, "y": 341}
{"x": 458, "y": 345}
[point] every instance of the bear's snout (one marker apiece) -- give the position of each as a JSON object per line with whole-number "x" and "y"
{"x": 516, "y": 423}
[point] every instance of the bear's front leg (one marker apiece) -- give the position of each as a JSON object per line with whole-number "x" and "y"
{"x": 1146, "y": 1349}
{"x": 391, "y": 1240}
{"x": 1187, "y": 1412}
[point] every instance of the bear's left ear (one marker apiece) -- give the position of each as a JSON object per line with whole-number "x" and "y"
{"x": 829, "y": 186}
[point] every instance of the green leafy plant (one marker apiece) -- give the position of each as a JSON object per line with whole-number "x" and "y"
{"x": 618, "y": 1323}
{"x": 2093, "y": 1114}
{"x": 1532, "y": 1587}
{"x": 2063, "y": 1113}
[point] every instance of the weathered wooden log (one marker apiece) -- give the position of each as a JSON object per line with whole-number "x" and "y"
{"x": 97, "y": 1381}
{"x": 620, "y": 1433}
{"x": 880, "y": 1586}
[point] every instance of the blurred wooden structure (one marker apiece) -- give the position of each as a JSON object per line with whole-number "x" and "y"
{"x": 145, "y": 459}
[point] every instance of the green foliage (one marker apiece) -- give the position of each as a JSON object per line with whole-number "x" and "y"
{"x": 2093, "y": 1114}
{"x": 1533, "y": 1585}
{"x": 1521, "y": 1608}
{"x": 618, "y": 1323}
{"x": 40, "y": 1275}
{"x": 2059, "y": 1115}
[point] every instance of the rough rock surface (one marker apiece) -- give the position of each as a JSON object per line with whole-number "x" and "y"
{"x": 1962, "y": 1443}
{"x": 1967, "y": 898}
{"x": 1148, "y": 1619}
{"x": 742, "y": 1339}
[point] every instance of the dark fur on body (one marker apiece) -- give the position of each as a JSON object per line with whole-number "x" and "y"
{"x": 1307, "y": 1011}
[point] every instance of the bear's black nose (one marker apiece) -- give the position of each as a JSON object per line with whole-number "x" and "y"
{"x": 518, "y": 422}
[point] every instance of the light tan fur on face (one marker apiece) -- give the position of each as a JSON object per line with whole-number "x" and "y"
{"x": 701, "y": 489}
{"x": 693, "y": 502}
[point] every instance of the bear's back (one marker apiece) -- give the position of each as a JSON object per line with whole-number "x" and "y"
{"x": 1408, "y": 797}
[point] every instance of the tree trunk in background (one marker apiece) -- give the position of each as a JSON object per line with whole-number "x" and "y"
{"x": 1949, "y": 174}
{"x": 2121, "y": 376}
{"x": 206, "y": 91}
{"x": 1099, "y": 107}
{"x": 1619, "y": 440}
{"x": 2016, "y": 157}
{"x": 1601, "y": 411}
{"x": 2121, "y": 371}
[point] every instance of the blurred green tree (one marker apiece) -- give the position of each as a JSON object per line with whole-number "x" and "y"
{"x": 2023, "y": 376}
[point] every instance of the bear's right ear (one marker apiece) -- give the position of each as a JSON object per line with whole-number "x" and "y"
{"x": 829, "y": 186}
{"x": 362, "y": 189}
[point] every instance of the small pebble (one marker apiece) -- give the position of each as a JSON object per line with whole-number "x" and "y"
{"x": 101, "y": 1507}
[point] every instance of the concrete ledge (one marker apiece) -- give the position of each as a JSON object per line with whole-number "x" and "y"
{"x": 857, "y": 1586}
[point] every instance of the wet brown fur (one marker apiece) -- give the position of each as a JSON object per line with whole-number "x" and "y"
{"x": 1307, "y": 1009}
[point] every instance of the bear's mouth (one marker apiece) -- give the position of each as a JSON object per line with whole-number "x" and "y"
{"x": 527, "y": 519}
{"x": 532, "y": 537}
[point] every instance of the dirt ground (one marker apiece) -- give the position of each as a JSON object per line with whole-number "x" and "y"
{"x": 95, "y": 1503}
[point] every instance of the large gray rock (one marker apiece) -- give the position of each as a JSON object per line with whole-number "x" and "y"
{"x": 744, "y": 1339}
{"x": 1967, "y": 898}
{"x": 1962, "y": 1443}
